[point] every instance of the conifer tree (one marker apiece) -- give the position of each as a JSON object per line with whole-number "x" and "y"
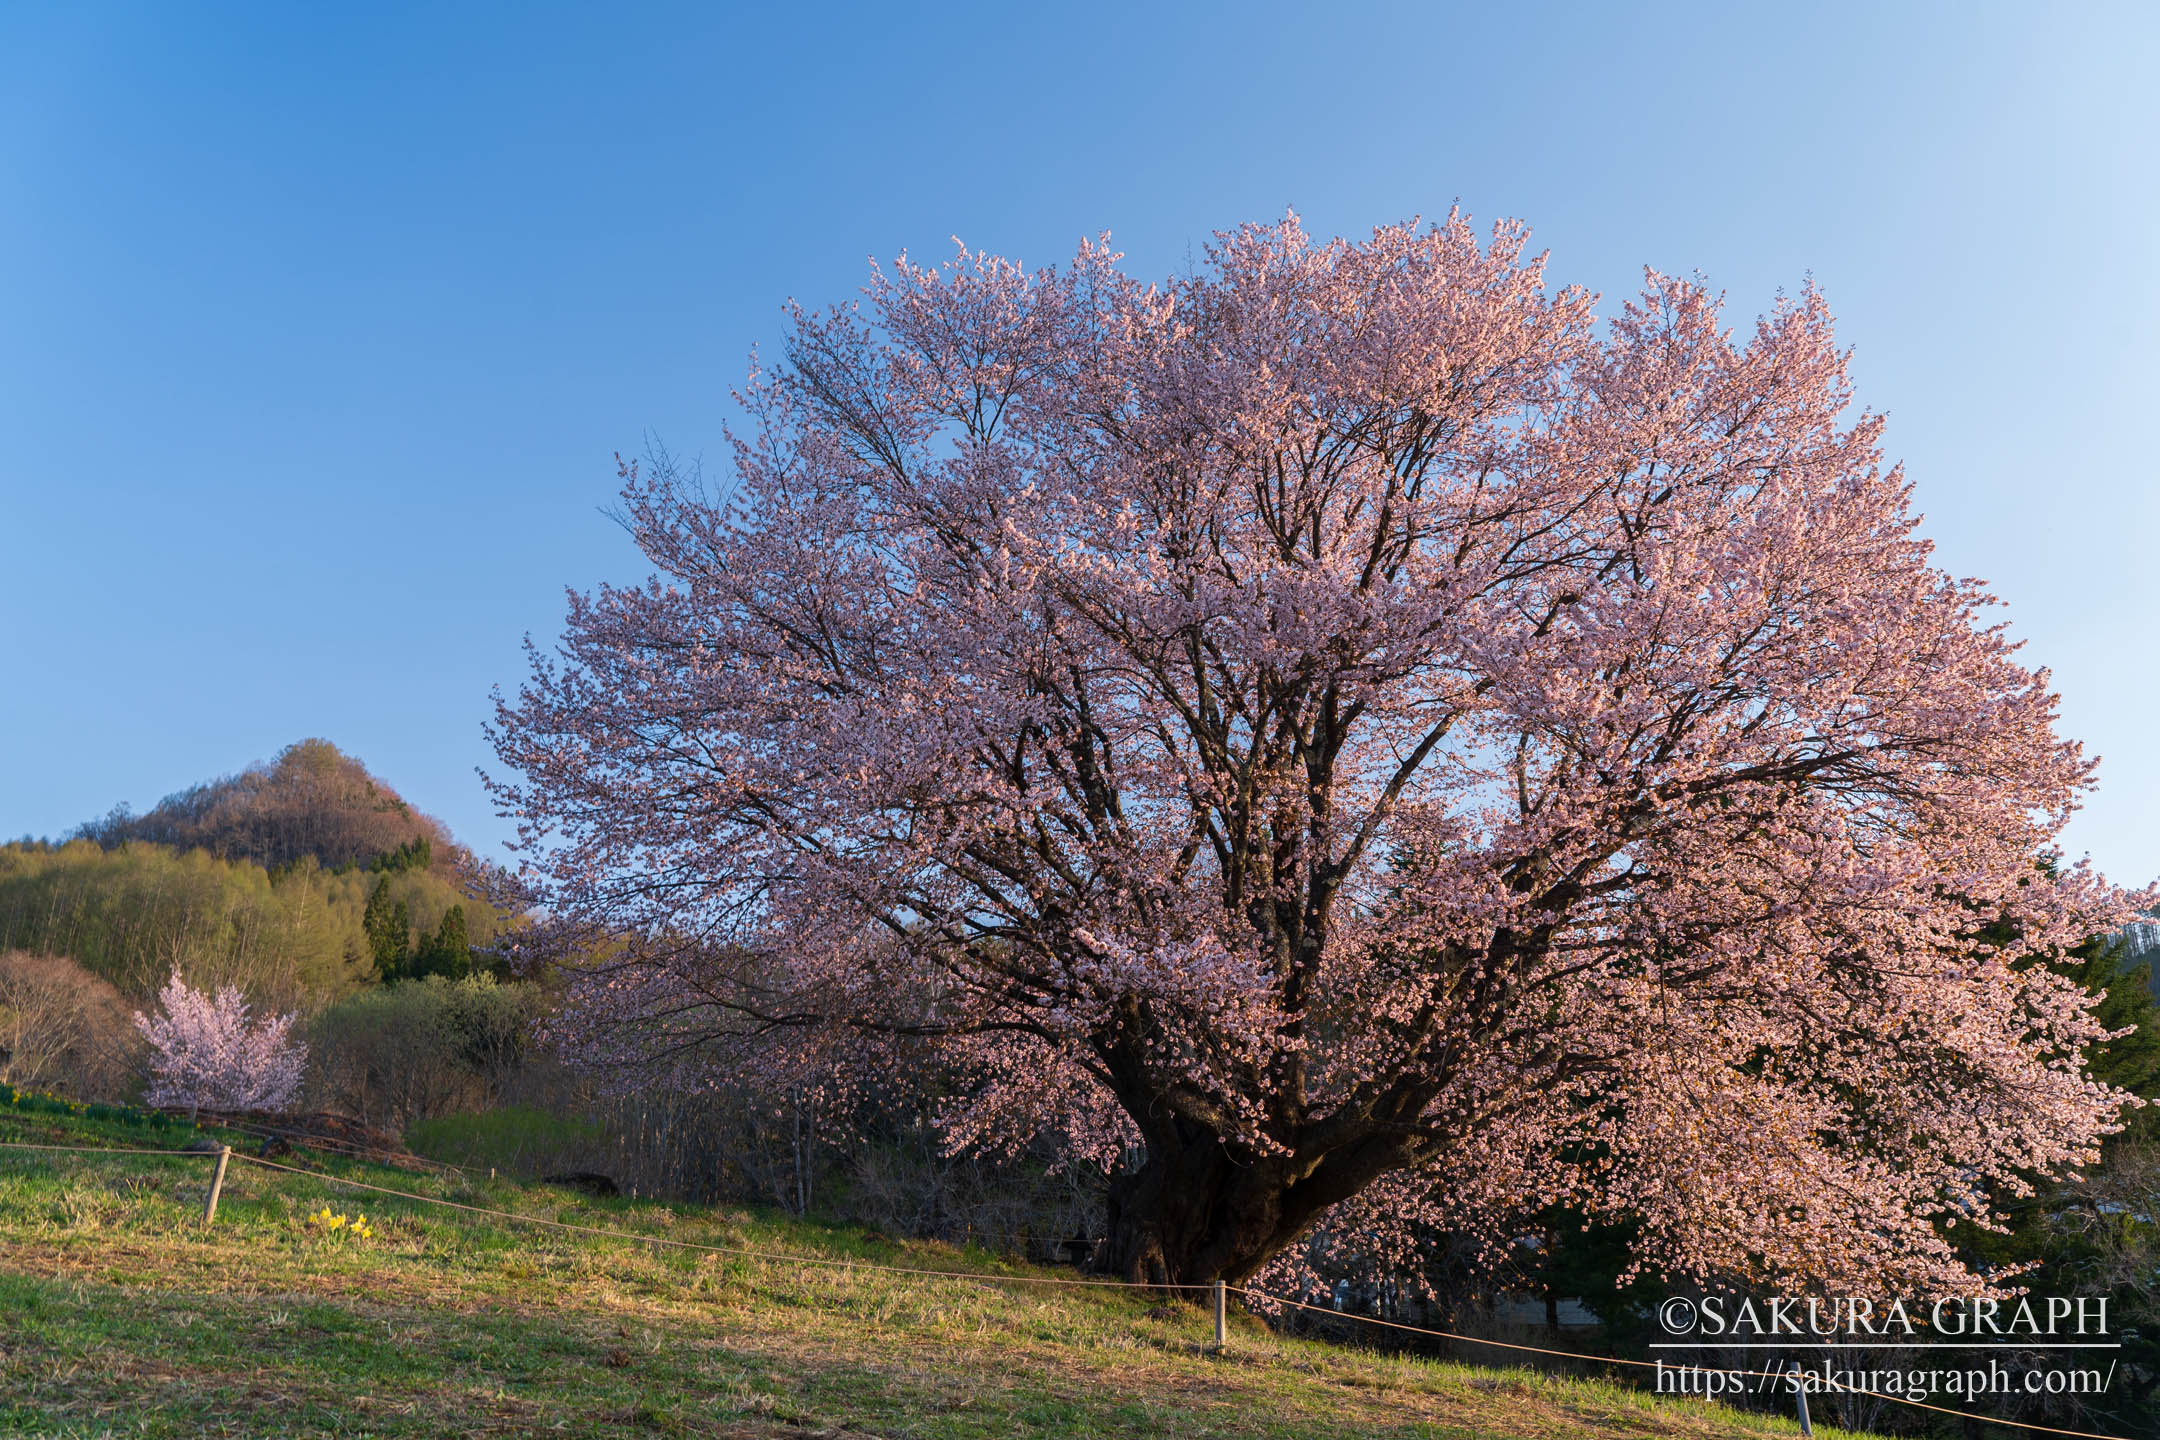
{"x": 449, "y": 951}
{"x": 387, "y": 925}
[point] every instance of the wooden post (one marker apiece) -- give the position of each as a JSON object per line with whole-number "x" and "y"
{"x": 217, "y": 1184}
{"x": 1799, "y": 1391}
{"x": 1222, "y": 1316}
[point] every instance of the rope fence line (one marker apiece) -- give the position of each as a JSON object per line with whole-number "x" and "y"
{"x": 735, "y": 1250}
{"x": 336, "y": 1143}
{"x": 305, "y": 1141}
{"x": 606, "y": 1233}
{"x": 819, "y": 1262}
{"x": 971, "y": 1233}
{"x": 103, "y": 1149}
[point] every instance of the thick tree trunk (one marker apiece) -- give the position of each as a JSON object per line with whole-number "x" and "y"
{"x": 1191, "y": 1214}
{"x": 1164, "y": 1215}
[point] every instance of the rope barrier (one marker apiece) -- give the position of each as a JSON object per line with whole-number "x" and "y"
{"x": 100, "y": 1149}
{"x": 768, "y": 1256}
{"x": 339, "y": 1145}
{"x": 852, "y": 1265}
{"x": 621, "y": 1234}
{"x": 1656, "y": 1364}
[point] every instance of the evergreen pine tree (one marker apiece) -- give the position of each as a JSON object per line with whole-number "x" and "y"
{"x": 449, "y": 951}
{"x": 411, "y": 855}
{"x": 387, "y": 925}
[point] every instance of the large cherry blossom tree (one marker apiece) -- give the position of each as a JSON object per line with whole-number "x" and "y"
{"x": 1345, "y": 731}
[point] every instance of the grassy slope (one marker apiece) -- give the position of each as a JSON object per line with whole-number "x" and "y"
{"x": 120, "y": 1315}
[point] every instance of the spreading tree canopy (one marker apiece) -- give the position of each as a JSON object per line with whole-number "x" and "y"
{"x": 1342, "y": 728}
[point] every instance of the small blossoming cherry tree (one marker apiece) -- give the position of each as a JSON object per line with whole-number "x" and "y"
{"x": 207, "y": 1053}
{"x": 1341, "y": 732}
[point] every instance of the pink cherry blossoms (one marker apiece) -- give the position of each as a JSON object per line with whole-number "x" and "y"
{"x": 1349, "y": 729}
{"x": 208, "y": 1054}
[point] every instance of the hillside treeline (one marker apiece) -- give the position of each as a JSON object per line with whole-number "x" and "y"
{"x": 299, "y": 881}
{"x": 297, "y": 938}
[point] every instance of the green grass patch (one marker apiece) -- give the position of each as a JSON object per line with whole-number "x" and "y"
{"x": 121, "y": 1315}
{"x": 517, "y": 1138}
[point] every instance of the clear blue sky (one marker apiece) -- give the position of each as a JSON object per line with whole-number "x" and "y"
{"x": 319, "y": 324}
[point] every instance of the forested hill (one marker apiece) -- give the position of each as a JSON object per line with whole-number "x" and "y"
{"x": 299, "y": 880}
{"x": 313, "y": 800}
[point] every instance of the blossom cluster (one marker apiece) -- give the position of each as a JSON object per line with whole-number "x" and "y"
{"x": 208, "y": 1052}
